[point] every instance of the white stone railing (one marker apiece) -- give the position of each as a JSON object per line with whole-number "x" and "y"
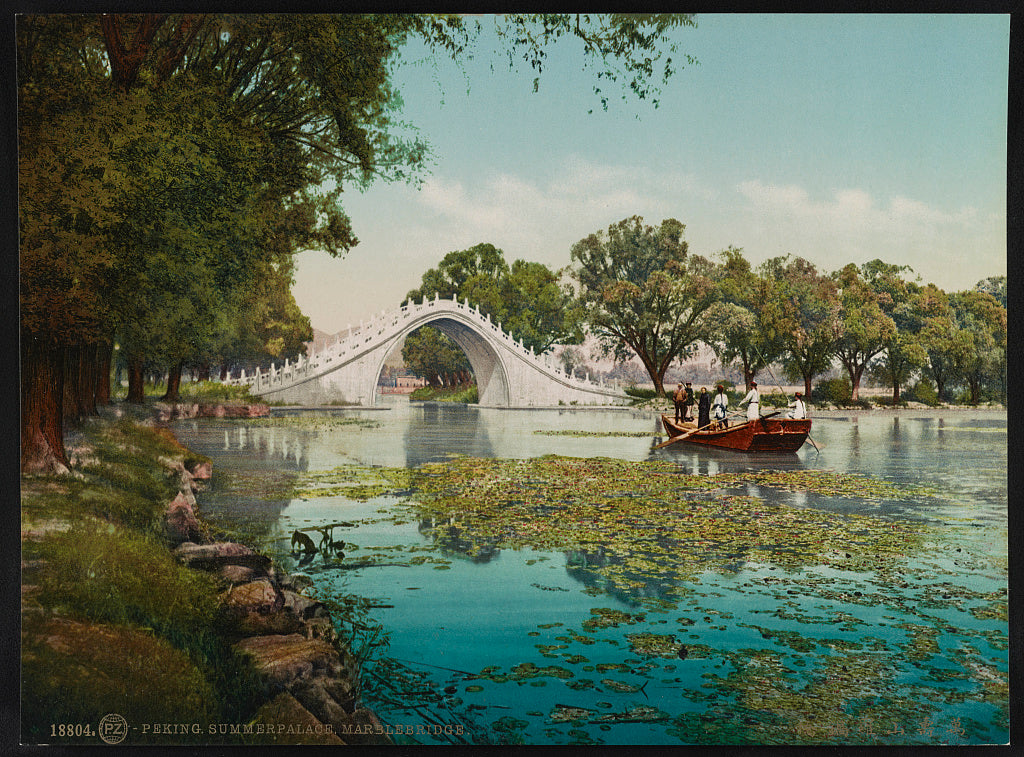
{"x": 387, "y": 325}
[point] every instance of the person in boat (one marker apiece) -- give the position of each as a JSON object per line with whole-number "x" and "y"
{"x": 688, "y": 415}
{"x": 753, "y": 400}
{"x": 719, "y": 406}
{"x": 704, "y": 409}
{"x": 679, "y": 398}
{"x": 797, "y": 409}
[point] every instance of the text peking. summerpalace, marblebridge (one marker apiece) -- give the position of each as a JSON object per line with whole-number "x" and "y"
{"x": 507, "y": 374}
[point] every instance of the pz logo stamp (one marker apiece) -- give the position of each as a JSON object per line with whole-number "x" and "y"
{"x": 113, "y": 728}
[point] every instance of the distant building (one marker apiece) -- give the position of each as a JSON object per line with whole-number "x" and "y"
{"x": 399, "y": 384}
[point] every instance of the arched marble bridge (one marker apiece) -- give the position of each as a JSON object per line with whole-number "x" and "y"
{"x": 507, "y": 374}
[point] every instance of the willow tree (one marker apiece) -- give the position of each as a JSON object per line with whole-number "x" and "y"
{"x": 312, "y": 93}
{"x": 643, "y": 293}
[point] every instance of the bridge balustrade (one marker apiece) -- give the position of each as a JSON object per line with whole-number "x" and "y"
{"x": 388, "y": 327}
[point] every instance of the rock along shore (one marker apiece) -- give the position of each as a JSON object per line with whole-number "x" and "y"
{"x": 309, "y": 676}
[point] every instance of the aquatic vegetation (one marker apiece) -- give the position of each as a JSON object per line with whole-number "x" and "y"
{"x": 791, "y": 606}
{"x": 629, "y": 520}
{"x": 355, "y": 482}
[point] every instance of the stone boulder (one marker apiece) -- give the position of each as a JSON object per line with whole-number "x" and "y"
{"x": 215, "y": 556}
{"x": 257, "y": 608}
{"x": 180, "y": 523}
{"x": 285, "y": 660}
{"x": 201, "y": 470}
{"x": 291, "y": 723}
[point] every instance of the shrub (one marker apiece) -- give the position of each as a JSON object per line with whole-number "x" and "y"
{"x": 468, "y": 394}
{"x": 835, "y": 391}
{"x": 205, "y": 391}
{"x": 886, "y": 400}
{"x": 644, "y": 394}
{"x": 923, "y": 392}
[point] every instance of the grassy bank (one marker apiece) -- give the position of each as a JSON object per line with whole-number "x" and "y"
{"x": 454, "y": 394}
{"x": 110, "y": 621}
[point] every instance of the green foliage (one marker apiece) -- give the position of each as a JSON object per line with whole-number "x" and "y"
{"x": 801, "y": 308}
{"x": 624, "y": 46}
{"x": 526, "y": 299}
{"x": 866, "y": 327}
{"x": 205, "y": 391}
{"x": 741, "y": 331}
{"x": 835, "y": 391}
{"x": 468, "y": 395}
{"x": 981, "y": 332}
{"x": 431, "y": 355}
{"x": 643, "y": 394}
{"x": 643, "y": 294}
{"x": 923, "y": 391}
{"x": 995, "y": 286}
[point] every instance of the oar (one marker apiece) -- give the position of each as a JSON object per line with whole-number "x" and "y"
{"x": 675, "y": 439}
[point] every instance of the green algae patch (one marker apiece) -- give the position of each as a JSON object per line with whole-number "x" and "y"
{"x": 646, "y": 517}
{"x": 653, "y": 644}
{"x": 605, "y": 618}
{"x": 620, "y": 687}
{"x": 355, "y": 482}
{"x": 528, "y": 670}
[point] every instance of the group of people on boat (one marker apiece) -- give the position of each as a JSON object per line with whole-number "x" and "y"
{"x": 684, "y": 400}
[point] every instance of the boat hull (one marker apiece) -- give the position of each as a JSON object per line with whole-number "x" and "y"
{"x": 762, "y": 435}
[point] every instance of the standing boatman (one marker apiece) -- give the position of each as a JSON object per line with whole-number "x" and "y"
{"x": 679, "y": 398}
{"x": 720, "y": 406}
{"x": 688, "y": 415}
{"x": 754, "y": 400}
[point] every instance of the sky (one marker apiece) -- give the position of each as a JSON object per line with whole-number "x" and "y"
{"x": 836, "y": 138}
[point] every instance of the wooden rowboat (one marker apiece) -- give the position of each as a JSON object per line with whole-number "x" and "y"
{"x": 766, "y": 434}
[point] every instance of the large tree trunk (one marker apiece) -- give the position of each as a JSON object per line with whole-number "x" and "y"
{"x": 173, "y": 383}
{"x": 856, "y": 373}
{"x": 73, "y": 408}
{"x": 87, "y": 380}
{"x": 42, "y": 413}
{"x": 104, "y": 356}
{"x": 807, "y": 388}
{"x": 136, "y": 382}
{"x": 895, "y": 392}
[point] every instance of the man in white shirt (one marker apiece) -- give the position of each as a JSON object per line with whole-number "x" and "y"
{"x": 754, "y": 408}
{"x": 797, "y": 408}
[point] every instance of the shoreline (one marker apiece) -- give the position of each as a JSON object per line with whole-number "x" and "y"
{"x": 281, "y": 672}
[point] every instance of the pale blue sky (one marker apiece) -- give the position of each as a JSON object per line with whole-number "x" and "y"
{"x": 838, "y": 138}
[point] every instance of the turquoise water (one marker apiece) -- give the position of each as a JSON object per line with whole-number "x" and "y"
{"x": 540, "y": 647}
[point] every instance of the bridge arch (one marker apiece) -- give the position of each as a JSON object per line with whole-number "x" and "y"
{"x": 488, "y": 368}
{"x": 507, "y": 373}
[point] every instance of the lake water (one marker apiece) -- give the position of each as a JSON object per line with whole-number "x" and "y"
{"x": 527, "y": 644}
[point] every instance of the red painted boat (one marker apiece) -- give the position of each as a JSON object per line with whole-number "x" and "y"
{"x": 766, "y": 434}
